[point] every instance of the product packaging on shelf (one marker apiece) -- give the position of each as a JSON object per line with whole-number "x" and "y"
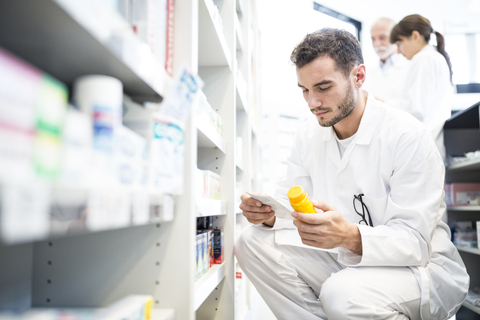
{"x": 464, "y": 235}
{"x": 199, "y": 258}
{"x": 130, "y": 157}
{"x": 167, "y": 155}
{"x": 77, "y": 148}
{"x": 208, "y": 184}
{"x": 32, "y": 112}
{"x": 108, "y": 209}
{"x": 206, "y": 115}
{"x": 461, "y": 194}
{"x": 132, "y": 307}
{"x": 24, "y": 214}
{"x": 144, "y": 20}
{"x": 100, "y": 97}
{"x": 207, "y": 250}
{"x": 477, "y": 223}
{"x": 205, "y": 223}
{"x": 50, "y": 110}
{"x": 218, "y": 256}
{"x": 167, "y": 149}
{"x": 152, "y": 23}
{"x": 140, "y": 208}
{"x": 203, "y": 259}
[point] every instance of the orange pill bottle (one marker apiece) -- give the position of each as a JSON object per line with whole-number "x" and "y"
{"x": 299, "y": 200}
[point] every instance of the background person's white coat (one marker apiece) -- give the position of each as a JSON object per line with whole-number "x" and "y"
{"x": 386, "y": 84}
{"x": 427, "y": 93}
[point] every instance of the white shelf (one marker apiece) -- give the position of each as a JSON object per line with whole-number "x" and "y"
{"x": 71, "y": 38}
{"x": 242, "y": 103}
{"x": 473, "y": 164}
{"x": 254, "y": 127}
{"x": 239, "y": 165}
{"x": 66, "y": 213}
{"x": 463, "y": 208}
{"x": 208, "y": 137}
{"x": 470, "y": 306}
{"x": 163, "y": 314}
{"x": 211, "y": 207}
{"x": 238, "y": 33}
{"x": 68, "y": 39}
{"x": 207, "y": 283}
{"x": 212, "y": 45}
{"x": 469, "y": 250}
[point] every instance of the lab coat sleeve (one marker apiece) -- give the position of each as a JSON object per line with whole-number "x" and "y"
{"x": 413, "y": 210}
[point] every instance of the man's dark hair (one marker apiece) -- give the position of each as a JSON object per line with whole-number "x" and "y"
{"x": 339, "y": 45}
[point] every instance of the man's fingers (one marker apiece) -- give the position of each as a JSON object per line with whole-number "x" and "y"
{"x": 256, "y": 217}
{"x": 248, "y": 205}
{"x": 310, "y": 218}
{"x": 322, "y": 205}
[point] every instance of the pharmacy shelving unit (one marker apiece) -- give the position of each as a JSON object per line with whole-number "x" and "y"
{"x": 247, "y": 96}
{"x": 67, "y": 39}
{"x": 462, "y": 135}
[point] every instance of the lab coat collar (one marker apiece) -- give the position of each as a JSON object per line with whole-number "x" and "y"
{"x": 367, "y": 126}
{"x": 427, "y": 48}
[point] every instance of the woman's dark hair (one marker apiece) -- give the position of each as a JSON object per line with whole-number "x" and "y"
{"x": 421, "y": 24}
{"x": 339, "y": 45}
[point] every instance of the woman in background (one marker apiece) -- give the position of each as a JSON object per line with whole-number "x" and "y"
{"x": 428, "y": 90}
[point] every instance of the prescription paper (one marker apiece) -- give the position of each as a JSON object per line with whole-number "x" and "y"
{"x": 282, "y": 211}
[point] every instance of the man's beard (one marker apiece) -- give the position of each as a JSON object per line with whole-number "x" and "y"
{"x": 384, "y": 52}
{"x": 346, "y": 107}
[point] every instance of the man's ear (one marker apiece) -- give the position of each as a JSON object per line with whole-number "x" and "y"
{"x": 360, "y": 75}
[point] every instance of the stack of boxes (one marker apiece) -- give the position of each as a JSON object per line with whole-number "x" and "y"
{"x": 86, "y": 147}
{"x": 209, "y": 244}
{"x": 464, "y": 194}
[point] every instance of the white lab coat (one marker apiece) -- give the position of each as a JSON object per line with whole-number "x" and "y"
{"x": 384, "y": 83}
{"x": 427, "y": 93}
{"x": 394, "y": 162}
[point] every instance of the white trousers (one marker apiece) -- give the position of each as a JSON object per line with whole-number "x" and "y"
{"x": 302, "y": 283}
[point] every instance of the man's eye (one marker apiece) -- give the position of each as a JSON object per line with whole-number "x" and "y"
{"x": 323, "y": 89}
{"x": 306, "y": 90}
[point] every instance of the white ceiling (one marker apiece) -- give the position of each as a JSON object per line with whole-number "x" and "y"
{"x": 448, "y": 16}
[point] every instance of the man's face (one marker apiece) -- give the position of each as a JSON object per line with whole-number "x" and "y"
{"x": 329, "y": 94}
{"x": 380, "y": 34}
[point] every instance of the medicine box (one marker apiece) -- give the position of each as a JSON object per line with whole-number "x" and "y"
{"x": 207, "y": 184}
{"x": 218, "y": 256}
{"x": 461, "y": 194}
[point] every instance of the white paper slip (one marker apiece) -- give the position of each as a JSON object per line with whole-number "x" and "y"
{"x": 281, "y": 210}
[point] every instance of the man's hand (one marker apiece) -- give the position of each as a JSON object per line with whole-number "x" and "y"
{"x": 327, "y": 230}
{"x": 256, "y": 212}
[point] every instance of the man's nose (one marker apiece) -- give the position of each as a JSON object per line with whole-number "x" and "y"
{"x": 314, "y": 100}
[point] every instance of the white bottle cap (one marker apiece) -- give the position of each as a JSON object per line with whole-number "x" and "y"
{"x": 101, "y": 90}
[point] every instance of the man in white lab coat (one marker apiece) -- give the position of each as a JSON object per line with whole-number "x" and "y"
{"x": 385, "y": 79}
{"x": 360, "y": 160}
